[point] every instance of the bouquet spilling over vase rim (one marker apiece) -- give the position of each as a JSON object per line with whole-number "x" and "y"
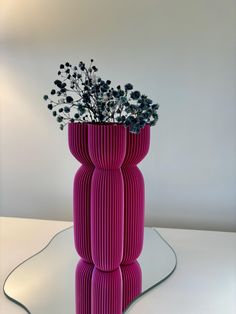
{"x": 80, "y": 95}
{"x": 109, "y": 134}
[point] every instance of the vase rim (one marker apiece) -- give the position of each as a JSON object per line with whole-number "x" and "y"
{"x": 98, "y": 123}
{"x": 101, "y": 124}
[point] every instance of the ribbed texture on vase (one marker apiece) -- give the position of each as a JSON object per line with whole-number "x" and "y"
{"x": 132, "y": 283}
{"x": 107, "y": 218}
{"x": 106, "y": 292}
{"x": 134, "y": 194}
{"x": 107, "y": 145}
{"x": 108, "y": 193}
{"x": 78, "y": 142}
{"x": 83, "y": 282}
{"x": 133, "y": 213}
{"x": 137, "y": 146}
{"x": 81, "y": 212}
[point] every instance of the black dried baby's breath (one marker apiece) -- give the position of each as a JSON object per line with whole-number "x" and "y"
{"x": 82, "y": 96}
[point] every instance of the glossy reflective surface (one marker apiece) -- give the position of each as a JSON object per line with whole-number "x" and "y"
{"x": 56, "y": 281}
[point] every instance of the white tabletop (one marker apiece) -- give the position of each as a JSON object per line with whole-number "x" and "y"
{"x": 203, "y": 283}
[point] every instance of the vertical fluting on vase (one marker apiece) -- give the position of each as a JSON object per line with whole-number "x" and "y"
{"x": 78, "y": 144}
{"x": 107, "y": 147}
{"x": 83, "y": 284}
{"x": 106, "y": 292}
{"x": 134, "y": 194}
{"x": 132, "y": 283}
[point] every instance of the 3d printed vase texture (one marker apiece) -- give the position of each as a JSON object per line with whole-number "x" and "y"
{"x": 108, "y": 195}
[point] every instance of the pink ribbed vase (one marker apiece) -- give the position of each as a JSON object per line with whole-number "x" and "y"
{"x": 108, "y": 193}
{"x": 134, "y": 194}
{"x": 107, "y": 147}
{"x": 78, "y": 144}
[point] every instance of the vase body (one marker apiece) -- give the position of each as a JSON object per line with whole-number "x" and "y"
{"x": 134, "y": 194}
{"x": 78, "y": 144}
{"x": 109, "y": 193}
{"x": 107, "y": 147}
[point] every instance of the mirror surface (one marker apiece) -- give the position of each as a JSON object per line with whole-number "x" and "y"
{"x": 57, "y": 281}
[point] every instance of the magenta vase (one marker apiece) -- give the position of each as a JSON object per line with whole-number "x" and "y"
{"x": 78, "y": 144}
{"x": 107, "y": 147}
{"x": 134, "y": 194}
{"x": 109, "y": 193}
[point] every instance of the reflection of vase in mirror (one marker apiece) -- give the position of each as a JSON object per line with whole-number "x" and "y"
{"x": 132, "y": 283}
{"x": 99, "y": 292}
{"x": 83, "y": 280}
{"x": 106, "y": 292}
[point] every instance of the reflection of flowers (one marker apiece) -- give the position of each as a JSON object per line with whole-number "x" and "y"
{"x": 99, "y": 292}
{"x": 82, "y": 96}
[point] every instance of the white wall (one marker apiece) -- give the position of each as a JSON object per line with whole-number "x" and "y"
{"x": 181, "y": 53}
